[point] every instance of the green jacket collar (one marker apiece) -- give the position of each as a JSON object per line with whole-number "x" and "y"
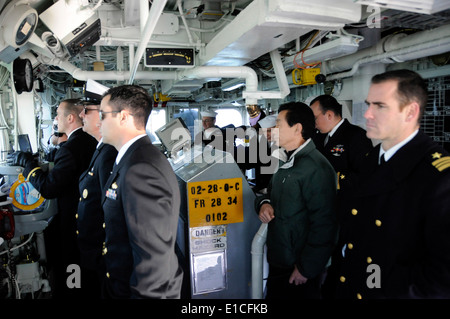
{"x": 303, "y": 149}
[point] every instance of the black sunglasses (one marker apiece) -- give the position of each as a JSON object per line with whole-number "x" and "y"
{"x": 86, "y": 110}
{"x": 101, "y": 113}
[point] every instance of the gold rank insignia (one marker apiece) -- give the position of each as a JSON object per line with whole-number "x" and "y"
{"x": 441, "y": 163}
{"x": 114, "y": 185}
{"x": 436, "y": 155}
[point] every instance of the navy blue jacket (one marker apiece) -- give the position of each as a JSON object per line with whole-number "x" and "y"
{"x": 397, "y": 221}
{"x": 61, "y": 182}
{"x": 141, "y": 207}
{"x": 90, "y": 221}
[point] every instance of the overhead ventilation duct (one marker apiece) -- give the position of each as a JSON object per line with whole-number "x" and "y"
{"x": 264, "y": 26}
{"x": 419, "y": 6}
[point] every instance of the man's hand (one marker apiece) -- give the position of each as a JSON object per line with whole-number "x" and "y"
{"x": 19, "y": 158}
{"x": 266, "y": 213}
{"x": 297, "y": 278}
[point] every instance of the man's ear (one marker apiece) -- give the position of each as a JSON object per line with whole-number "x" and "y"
{"x": 412, "y": 111}
{"x": 125, "y": 118}
{"x": 70, "y": 118}
{"x": 299, "y": 128}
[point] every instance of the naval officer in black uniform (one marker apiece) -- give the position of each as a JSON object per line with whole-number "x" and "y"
{"x": 141, "y": 203}
{"x": 61, "y": 182}
{"x": 342, "y": 143}
{"x": 90, "y": 219}
{"x": 397, "y": 241}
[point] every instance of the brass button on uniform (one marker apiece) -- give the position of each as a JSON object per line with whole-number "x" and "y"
{"x": 342, "y": 279}
{"x": 76, "y": 216}
{"x": 107, "y": 274}
{"x": 77, "y": 232}
{"x": 85, "y": 193}
{"x": 105, "y": 250}
{"x": 354, "y": 212}
{"x": 104, "y": 225}
{"x": 358, "y": 296}
{"x": 378, "y": 222}
{"x": 369, "y": 260}
{"x": 350, "y": 246}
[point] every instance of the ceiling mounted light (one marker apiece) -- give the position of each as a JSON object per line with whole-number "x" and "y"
{"x": 18, "y": 22}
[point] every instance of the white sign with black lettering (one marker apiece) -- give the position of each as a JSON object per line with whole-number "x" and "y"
{"x": 208, "y": 238}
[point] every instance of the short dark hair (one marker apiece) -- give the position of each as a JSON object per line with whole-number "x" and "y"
{"x": 328, "y": 103}
{"x": 72, "y": 106}
{"x": 135, "y": 99}
{"x": 410, "y": 87}
{"x": 298, "y": 112}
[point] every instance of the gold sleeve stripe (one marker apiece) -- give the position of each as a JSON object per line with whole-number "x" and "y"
{"x": 32, "y": 171}
{"x": 442, "y": 163}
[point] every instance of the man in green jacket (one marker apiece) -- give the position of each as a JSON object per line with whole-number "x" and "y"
{"x": 299, "y": 208}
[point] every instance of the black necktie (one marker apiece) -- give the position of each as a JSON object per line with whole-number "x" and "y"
{"x": 382, "y": 160}
{"x": 326, "y": 140}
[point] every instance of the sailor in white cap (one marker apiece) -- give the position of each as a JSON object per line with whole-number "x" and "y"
{"x": 208, "y": 119}
{"x": 267, "y": 124}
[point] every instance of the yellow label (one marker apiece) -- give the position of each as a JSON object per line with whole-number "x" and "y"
{"x": 216, "y": 202}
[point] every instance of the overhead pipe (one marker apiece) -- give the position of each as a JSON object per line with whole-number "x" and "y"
{"x": 395, "y": 48}
{"x": 183, "y": 18}
{"x": 144, "y": 8}
{"x": 251, "y": 94}
{"x": 279, "y": 73}
{"x": 241, "y": 72}
{"x": 401, "y": 55}
{"x": 153, "y": 17}
{"x": 83, "y": 75}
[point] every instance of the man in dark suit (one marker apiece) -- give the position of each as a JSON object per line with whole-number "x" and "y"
{"x": 90, "y": 219}
{"x": 342, "y": 143}
{"x": 61, "y": 182}
{"x": 141, "y": 203}
{"x": 397, "y": 237}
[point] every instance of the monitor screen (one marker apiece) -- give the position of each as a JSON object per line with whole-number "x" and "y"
{"x": 24, "y": 143}
{"x": 174, "y": 135}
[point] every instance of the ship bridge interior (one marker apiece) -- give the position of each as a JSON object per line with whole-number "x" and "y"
{"x": 230, "y": 56}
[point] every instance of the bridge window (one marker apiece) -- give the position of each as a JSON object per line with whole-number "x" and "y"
{"x": 155, "y": 121}
{"x": 228, "y": 116}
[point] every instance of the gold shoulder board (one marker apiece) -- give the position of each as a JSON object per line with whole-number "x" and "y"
{"x": 442, "y": 163}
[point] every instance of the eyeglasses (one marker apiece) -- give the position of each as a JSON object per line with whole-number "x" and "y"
{"x": 102, "y": 117}
{"x": 86, "y": 110}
